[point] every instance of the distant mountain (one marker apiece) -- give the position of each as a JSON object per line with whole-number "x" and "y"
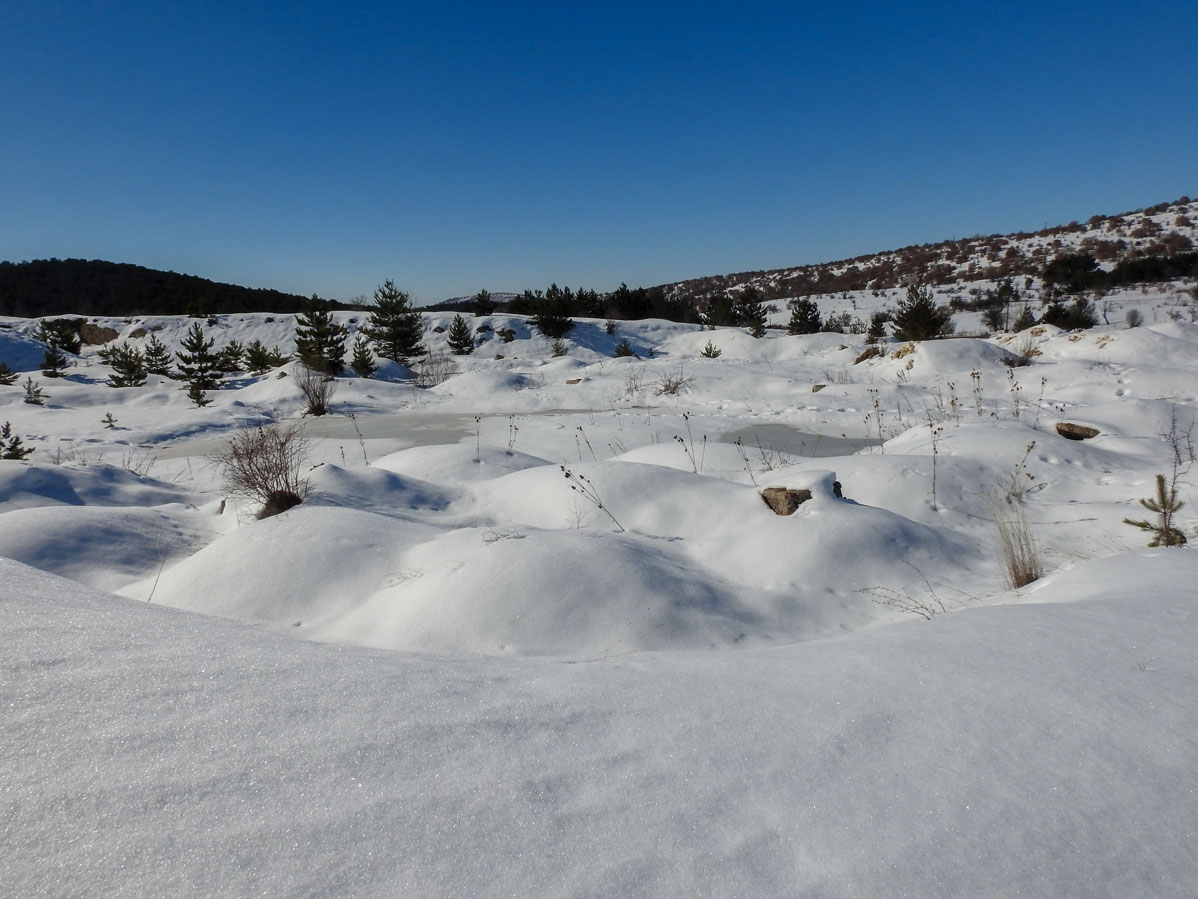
{"x": 95, "y": 287}
{"x": 1161, "y": 230}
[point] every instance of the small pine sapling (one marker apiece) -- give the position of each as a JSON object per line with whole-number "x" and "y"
{"x": 711, "y": 351}
{"x": 109, "y": 420}
{"x": 623, "y": 349}
{"x": 11, "y": 444}
{"x": 1165, "y": 504}
{"x": 34, "y": 395}
{"x": 8, "y": 377}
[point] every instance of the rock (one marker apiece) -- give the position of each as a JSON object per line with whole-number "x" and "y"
{"x": 138, "y": 332}
{"x": 816, "y": 388}
{"x": 1071, "y": 431}
{"x": 97, "y": 335}
{"x": 783, "y": 500}
{"x": 574, "y": 380}
{"x": 869, "y": 353}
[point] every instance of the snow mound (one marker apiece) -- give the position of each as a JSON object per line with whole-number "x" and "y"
{"x": 27, "y": 484}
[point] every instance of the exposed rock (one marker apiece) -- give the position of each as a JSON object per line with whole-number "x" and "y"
{"x": 138, "y": 332}
{"x": 97, "y": 335}
{"x": 783, "y": 500}
{"x": 869, "y": 353}
{"x": 816, "y": 388}
{"x": 574, "y": 380}
{"x": 1071, "y": 431}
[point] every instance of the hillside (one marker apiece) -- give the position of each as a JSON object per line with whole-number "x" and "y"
{"x": 1163, "y": 229}
{"x": 94, "y": 287}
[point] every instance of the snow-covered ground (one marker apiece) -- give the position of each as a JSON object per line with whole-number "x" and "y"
{"x": 535, "y": 632}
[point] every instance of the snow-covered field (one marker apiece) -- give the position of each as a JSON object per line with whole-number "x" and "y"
{"x": 535, "y": 632}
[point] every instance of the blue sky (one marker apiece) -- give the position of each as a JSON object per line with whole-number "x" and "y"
{"x": 322, "y": 148}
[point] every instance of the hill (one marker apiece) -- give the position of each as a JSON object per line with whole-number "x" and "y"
{"x": 1160, "y": 230}
{"x": 94, "y": 287}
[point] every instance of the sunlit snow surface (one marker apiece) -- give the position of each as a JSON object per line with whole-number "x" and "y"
{"x": 558, "y": 645}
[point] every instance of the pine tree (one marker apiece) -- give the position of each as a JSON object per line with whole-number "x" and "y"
{"x": 157, "y": 357}
{"x": 10, "y": 444}
{"x": 877, "y": 326}
{"x": 362, "y": 359}
{"x": 483, "y": 304}
{"x": 8, "y": 377}
{"x": 197, "y": 363}
{"x": 750, "y": 311}
{"x": 804, "y": 317}
{"x": 1024, "y": 320}
{"x": 1165, "y": 504}
{"x": 230, "y": 357}
{"x": 919, "y": 318}
{"x": 196, "y": 394}
{"x": 53, "y": 361}
{"x": 623, "y": 348}
{"x": 320, "y": 341}
{"x": 128, "y": 366}
{"x": 395, "y": 327}
{"x": 459, "y": 338}
{"x": 34, "y": 395}
{"x": 719, "y": 310}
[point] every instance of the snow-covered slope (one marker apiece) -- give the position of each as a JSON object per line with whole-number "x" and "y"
{"x": 1042, "y": 749}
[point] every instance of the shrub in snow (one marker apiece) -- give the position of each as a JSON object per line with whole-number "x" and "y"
{"x": 263, "y": 465}
{"x": 317, "y": 388}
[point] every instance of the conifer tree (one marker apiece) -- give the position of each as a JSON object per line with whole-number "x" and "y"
{"x": 1165, "y": 504}
{"x": 128, "y": 366}
{"x": 877, "y": 325}
{"x": 198, "y": 365}
{"x": 804, "y": 317}
{"x": 53, "y": 361}
{"x": 320, "y": 341}
{"x": 157, "y": 357}
{"x": 483, "y": 304}
{"x": 395, "y": 327}
{"x": 34, "y": 395}
{"x": 11, "y": 444}
{"x": 1024, "y": 320}
{"x": 919, "y": 318}
{"x": 8, "y": 377}
{"x": 750, "y": 311}
{"x": 459, "y": 338}
{"x": 362, "y": 359}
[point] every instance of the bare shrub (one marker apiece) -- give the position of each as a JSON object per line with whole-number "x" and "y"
{"x": 1134, "y": 318}
{"x": 263, "y": 465}
{"x": 318, "y": 388}
{"x": 1016, "y": 543}
{"x": 670, "y": 384}
{"x": 437, "y": 368}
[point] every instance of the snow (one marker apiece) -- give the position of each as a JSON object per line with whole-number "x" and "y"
{"x": 535, "y": 632}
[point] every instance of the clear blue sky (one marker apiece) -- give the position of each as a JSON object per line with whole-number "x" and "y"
{"x": 320, "y": 147}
